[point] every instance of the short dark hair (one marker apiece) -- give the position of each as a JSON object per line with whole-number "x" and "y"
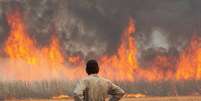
{"x": 92, "y": 67}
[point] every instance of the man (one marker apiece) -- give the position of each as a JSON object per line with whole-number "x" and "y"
{"x": 95, "y": 88}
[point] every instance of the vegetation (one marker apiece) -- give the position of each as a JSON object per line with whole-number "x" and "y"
{"x": 35, "y": 89}
{"x": 48, "y": 89}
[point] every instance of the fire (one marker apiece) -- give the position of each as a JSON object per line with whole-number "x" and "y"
{"x": 19, "y": 45}
{"x": 61, "y": 97}
{"x": 189, "y": 66}
{"x": 49, "y": 59}
{"x": 137, "y": 95}
{"x": 27, "y": 61}
{"x": 124, "y": 63}
{"x": 52, "y": 53}
{"x": 74, "y": 59}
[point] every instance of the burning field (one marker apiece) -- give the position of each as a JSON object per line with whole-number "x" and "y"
{"x": 24, "y": 60}
{"x": 38, "y": 65}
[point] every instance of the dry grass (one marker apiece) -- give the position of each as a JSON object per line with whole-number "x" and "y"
{"x": 183, "y": 98}
{"x": 55, "y": 88}
{"x": 179, "y": 98}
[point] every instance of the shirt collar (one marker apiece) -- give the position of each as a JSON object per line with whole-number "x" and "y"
{"x": 94, "y": 75}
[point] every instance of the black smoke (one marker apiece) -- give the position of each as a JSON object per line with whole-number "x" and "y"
{"x": 93, "y": 27}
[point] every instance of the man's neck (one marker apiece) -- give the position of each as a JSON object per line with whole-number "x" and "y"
{"x": 95, "y": 75}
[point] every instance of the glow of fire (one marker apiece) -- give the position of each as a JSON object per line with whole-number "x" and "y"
{"x": 189, "y": 65}
{"x": 29, "y": 62}
{"x": 124, "y": 63}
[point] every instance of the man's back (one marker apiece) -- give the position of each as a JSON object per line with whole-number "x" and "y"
{"x": 95, "y": 88}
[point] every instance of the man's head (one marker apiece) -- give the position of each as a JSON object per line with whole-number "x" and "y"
{"x": 92, "y": 67}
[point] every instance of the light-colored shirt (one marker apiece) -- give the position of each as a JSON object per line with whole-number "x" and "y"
{"x": 95, "y": 88}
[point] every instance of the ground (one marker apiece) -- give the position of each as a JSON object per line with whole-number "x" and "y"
{"x": 178, "y": 98}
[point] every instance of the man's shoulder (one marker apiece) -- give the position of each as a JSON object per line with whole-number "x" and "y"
{"x": 107, "y": 80}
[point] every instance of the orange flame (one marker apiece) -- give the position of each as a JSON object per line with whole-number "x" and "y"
{"x": 74, "y": 59}
{"x": 60, "y": 97}
{"x": 189, "y": 65}
{"x": 29, "y": 62}
{"x": 124, "y": 63}
{"x": 52, "y": 53}
{"x": 19, "y": 45}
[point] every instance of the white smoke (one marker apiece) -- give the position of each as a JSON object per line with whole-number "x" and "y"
{"x": 158, "y": 39}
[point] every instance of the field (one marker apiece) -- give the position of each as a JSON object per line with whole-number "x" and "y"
{"x": 48, "y": 89}
{"x": 180, "y": 98}
{"x": 60, "y": 90}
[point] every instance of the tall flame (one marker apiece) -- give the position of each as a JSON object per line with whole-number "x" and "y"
{"x": 124, "y": 63}
{"x": 52, "y": 53}
{"x": 29, "y": 62}
{"x": 189, "y": 65}
{"x": 19, "y": 45}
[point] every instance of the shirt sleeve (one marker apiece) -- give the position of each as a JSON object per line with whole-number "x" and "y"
{"x": 116, "y": 92}
{"x": 79, "y": 90}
